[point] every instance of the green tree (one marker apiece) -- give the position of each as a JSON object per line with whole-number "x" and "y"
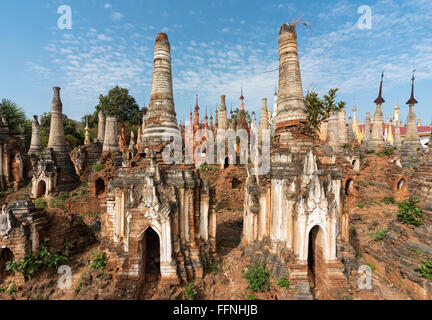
{"x": 74, "y": 131}
{"x": 236, "y": 113}
{"x": 16, "y": 120}
{"x": 118, "y": 102}
{"x": 319, "y": 110}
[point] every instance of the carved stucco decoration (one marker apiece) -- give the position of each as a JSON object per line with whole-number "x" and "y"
{"x": 156, "y": 196}
{"x": 5, "y": 222}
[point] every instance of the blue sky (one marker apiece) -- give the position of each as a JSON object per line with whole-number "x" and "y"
{"x": 216, "y": 47}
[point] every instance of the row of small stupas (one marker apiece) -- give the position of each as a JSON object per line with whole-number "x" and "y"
{"x": 394, "y": 131}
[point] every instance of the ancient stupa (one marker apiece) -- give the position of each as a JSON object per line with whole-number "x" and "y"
{"x": 411, "y": 150}
{"x": 35, "y": 144}
{"x": 377, "y": 139}
{"x": 161, "y": 124}
{"x": 57, "y": 142}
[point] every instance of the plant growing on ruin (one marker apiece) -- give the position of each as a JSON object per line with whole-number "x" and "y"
{"x": 212, "y": 265}
{"x": 389, "y": 200}
{"x": 221, "y": 205}
{"x": 12, "y": 290}
{"x": 32, "y": 262}
{"x": 98, "y": 167}
{"x": 319, "y": 110}
{"x": 59, "y": 201}
{"x": 426, "y": 270}
{"x": 40, "y": 203}
{"x": 409, "y": 213}
{"x": 80, "y": 283}
{"x": 98, "y": 260}
{"x": 207, "y": 168}
{"x": 283, "y": 282}
{"x": 257, "y": 277}
{"x": 380, "y": 234}
{"x": 250, "y": 296}
{"x": 388, "y": 152}
{"x": 190, "y": 291}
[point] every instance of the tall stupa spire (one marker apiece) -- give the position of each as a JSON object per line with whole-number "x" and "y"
{"x": 161, "y": 119}
{"x": 412, "y": 100}
{"x": 411, "y": 133}
{"x": 411, "y": 149}
{"x": 101, "y": 126}
{"x": 57, "y": 139}
{"x": 223, "y": 120}
{"x": 291, "y": 105}
{"x": 377, "y": 136}
{"x": 380, "y": 100}
{"x": 87, "y": 139}
{"x": 36, "y": 144}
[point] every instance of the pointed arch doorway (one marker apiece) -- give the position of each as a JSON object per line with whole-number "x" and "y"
{"x": 150, "y": 258}
{"x": 316, "y": 263}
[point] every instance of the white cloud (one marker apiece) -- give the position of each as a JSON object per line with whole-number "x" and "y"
{"x": 107, "y": 6}
{"x": 117, "y": 16}
{"x": 103, "y": 37}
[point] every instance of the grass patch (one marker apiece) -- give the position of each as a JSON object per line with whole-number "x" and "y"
{"x": 283, "y": 283}
{"x": 251, "y": 296}
{"x": 388, "y": 152}
{"x": 362, "y": 183}
{"x": 212, "y": 265}
{"x": 12, "y": 290}
{"x": 426, "y": 270}
{"x": 222, "y": 205}
{"x": 380, "y": 234}
{"x": 40, "y": 203}
{"x": 204, "y": 167}
{"x": 389, "y": 200}
{"x": 98, "y": 260}
{"x": 98, "y": 167}
{"x": 190, "y": 291}
{"x": 92, "y": 214}
{"x": 59, "y": 201}
{"x": 80, "y": 283}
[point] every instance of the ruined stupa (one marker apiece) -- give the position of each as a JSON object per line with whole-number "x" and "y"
{"x": 57, "y": 142}
{"x": 332, "y": 136}
{"x": 367, "y": 129}
{"x": 111, "y": 141}
{"x": 377, "y": 139}
{"x": 291, "y": 115}
{"x": 397, "y": 135}
{"x": 161, "y": 124}
{"x": 342, "y": 127}
{"x": 222, "y": 121}
{"x": 35, "y": 144}
{"x": 411, "y": 150}
{"x": 264, "y": 121}
{"x": 101, "y": 127}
